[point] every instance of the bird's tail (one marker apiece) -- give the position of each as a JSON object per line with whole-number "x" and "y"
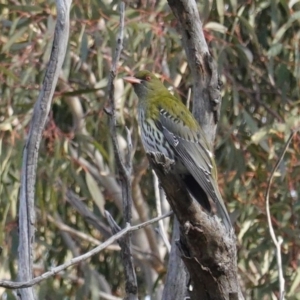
{"x": 201, "y": 197}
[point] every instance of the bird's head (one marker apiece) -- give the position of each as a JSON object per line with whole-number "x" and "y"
{"x": 145, "y": 84}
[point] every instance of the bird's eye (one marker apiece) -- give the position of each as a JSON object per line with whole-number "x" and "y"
{"x": 148, "y": 78}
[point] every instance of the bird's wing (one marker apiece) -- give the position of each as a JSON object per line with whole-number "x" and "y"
{"x": 193, "y": 151}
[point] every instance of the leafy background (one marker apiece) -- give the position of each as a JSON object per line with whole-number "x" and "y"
{"x": 256, "y": 46}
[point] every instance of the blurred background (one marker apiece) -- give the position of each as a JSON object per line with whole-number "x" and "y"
{"x": 256, "y": 47}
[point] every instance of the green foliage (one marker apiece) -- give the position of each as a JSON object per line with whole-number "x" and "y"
{"x": 256, "y": 46}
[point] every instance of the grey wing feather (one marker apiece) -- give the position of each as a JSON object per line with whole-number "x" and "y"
{"x": 192, "y": 151}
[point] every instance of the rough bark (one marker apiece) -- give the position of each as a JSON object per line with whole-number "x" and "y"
{"x": 206, "y": 83}
{"x": 177, "y": 276}
{"x": 207, "y": 250}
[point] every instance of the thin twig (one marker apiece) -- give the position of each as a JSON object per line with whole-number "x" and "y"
{"x": 124, "y": 168}
{"x": 143, "y": 211}
{"x": 63, "y": 227}
{"x": 161, "y": 227}
{"x": 15, "y": 285}
{"x": 88, "y": 216}
{"x": 277, "y": 241}
{"x": 106, "y": 296}
{"x": 112, "y": 223}
{"x": 129, "y": 154}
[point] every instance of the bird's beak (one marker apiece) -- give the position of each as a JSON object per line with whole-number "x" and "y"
{"x": 132, "y": 79}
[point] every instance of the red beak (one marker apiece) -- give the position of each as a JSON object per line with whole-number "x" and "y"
{"x": 132, "y": 79}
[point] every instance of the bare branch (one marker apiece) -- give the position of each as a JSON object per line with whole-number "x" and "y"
{"x": 100, "y": 172}
{"x": 124, "y": 168}
{"x": 56, "y": 221}
{"x": 158, "y": 208}
{"x": 277, "y": 241}
{"x": 30, "y": 152}
{"x": 177, "y": 277}
{"x": 143, "y": 212}
{"x": 208, "y": 251}
{"x": 106, "y": 296}
{"x": 112, "y": 223}
{"x": 15, "y": 285}
{"x": 90, "y": 217}
{"x": 206, "y": 88}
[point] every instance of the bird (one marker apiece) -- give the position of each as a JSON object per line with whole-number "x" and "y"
{"x": 168, "y": 127}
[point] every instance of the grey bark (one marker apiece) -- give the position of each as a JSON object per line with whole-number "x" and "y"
{"x": 177, "y": 276}
{"x": 30, "y": 152}
{"x": 206, "y": 248}
{"x": 206, "y": 85}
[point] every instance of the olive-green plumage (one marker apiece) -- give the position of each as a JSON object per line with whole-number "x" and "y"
{"x": 168, "y": 127}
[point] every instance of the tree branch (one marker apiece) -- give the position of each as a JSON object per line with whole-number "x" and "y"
{"x": 176, "y": 285}
{"x": 161, "y": 227}
{"x": 56, "y": 221}
{"x": 124, "y": 169}
{"x": 16, "y": 285}
{"x": 88, "y": 216}
{"x": 208, "y": 251}
{"x": 206, "y": 88}
{"x": 277, "y": 241}
{"x": 30, "y": 152}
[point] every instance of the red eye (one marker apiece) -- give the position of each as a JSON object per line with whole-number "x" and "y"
{"x": 148, "y": 78}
